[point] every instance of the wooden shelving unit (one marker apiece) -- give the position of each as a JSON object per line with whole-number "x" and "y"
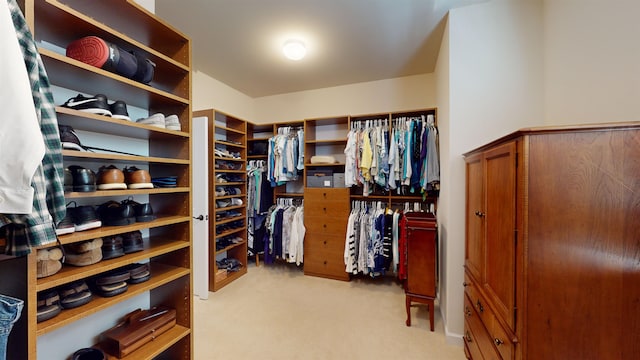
{"x": 168, "y": 239}
{"x": 226, "y": 133}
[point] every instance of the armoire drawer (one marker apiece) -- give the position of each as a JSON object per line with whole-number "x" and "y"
{"x": 497, "y": 335}
{"x": 471, "y": 349}
{"x": 476, "y": 337}
{"x": 478, "y": 303}
{"x": 325, "y": 225}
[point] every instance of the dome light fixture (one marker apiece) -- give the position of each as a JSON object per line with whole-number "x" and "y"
{"x": 294, "y": 49}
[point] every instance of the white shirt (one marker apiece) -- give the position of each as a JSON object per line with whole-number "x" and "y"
{"x": 21, "y": 143}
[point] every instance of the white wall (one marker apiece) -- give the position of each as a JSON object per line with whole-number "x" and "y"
{"x": 494, "y": 87}
{"x": 398, "y": 94}
{"x": 592, "y": 61}
{"x": 209, "y": 93}
{"x": 444, "y": 117}
{"x": 389, "y": 95}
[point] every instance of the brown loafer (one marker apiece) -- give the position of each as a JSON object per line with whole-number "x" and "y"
{"x": 137, "y": 178}
{"x": 110, "y": 178}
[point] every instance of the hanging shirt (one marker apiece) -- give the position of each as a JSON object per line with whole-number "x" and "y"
{"x": 22, "y": 146}
{"x": 48, "y": 204}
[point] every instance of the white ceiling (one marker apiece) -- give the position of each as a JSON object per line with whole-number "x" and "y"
{"x": 238, "y": 42}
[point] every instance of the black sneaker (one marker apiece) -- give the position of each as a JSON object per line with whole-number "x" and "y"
{"x": 96, "y": 104}
{"x": 66, "y": 226}
{"x": 69, "y": 139}
{"x": 119, "y": 110}
{"x": 84, "y": 217}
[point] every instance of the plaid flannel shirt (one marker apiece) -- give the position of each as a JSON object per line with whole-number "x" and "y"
{"x": 38, "y": 228}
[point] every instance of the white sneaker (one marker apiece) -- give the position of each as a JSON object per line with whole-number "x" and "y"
{"x": 172, "y": 122}
{"x": 156, "y": 120}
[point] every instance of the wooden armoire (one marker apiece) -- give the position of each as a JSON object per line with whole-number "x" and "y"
{"x": 552, "y": 260}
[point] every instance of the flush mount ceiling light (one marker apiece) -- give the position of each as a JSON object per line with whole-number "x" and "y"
{"x": 294, "y": 49}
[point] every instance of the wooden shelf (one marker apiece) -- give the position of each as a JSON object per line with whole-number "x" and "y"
{"x": 168, "y": 239}
{"x": 227, "y": 248}
{"x": 70, "y": 273}
{"x": 108, "y": 125}
{"x": 229, "y": 132}
{"x": 156, "y": 347}
{"x": 231, "y": 276}
{"x": 160, "y": 275}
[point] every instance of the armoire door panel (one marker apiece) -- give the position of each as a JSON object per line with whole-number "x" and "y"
{"x": 595, "y": 192}
{"x": 500, "y": 225}
{"x": 474, "y": 248}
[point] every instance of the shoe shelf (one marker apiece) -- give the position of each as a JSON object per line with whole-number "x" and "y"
{"x": 232, "y": 183}
{"x": 113, "y": 193}
{"x": 230, "y": 277}
{"x": 161, "y": 345}
{"x": 107, "y": 125}
{"x": 231, "y": 232}
{"x": 224, "y": 221}
{"x": 70, "y": 274}
{"x": 227, "y": 134}
{"x": 229, "y": 247}
{"x": 167, "y": 239}
{"x": 237, "y": 207}
{"x": 160, "y": 275}
{"x": 128, "y": 159}
{"x": 171, "y": 58}
{"x": 227, "y": 159}
{"x": 99, "y": 81}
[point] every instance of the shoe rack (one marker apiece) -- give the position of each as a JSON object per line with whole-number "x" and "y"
{"x": 227, "y": 220}
{"x": 168, "y": 239}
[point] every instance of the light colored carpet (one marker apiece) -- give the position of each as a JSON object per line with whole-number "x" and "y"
{"x": 276, "y": 312}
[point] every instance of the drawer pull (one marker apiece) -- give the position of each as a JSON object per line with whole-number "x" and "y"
{"x": 325, "y": 242}
{"x": 325, "y": 262}
{"x": 498, "y": 342}
{"x": 479, "y": 306}
{"x": 479, "y": 214}
{"x": 324, "y": 226}
{"x": 467, "y": 336}
{"x": 467, "y": 311}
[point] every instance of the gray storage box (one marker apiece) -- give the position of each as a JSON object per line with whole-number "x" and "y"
{"x": 338, "y": 180}
{"x": 319, "y": 178}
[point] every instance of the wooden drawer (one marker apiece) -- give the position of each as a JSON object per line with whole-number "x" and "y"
{"x": 327, "y": 267}
{"x": 477, "y": 340}
{"x": 333, "y": 203}
{"x": 478, "y": 302}
{"x": 329, "y": 209}
{"x": 324, "y": 225}
{"x": 501, "y": 339}
{"x": 471, "y": 349}
{"x": 328, "y": 244}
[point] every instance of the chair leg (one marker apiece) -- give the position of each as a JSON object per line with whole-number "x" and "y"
{"x": 408, "y": 306}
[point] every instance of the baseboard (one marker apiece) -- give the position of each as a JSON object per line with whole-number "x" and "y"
{"x": 451, "y": 338}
